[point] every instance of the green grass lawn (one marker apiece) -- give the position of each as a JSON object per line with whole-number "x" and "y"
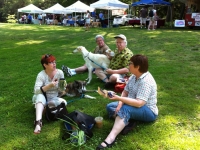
{"x": 174, "y": 58}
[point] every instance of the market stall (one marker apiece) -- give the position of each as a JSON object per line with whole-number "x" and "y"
{"x": 78, "y": 7}
{"x": 159, "y": 22}
{"x": 57, "y": 11}
{"x": 109, "y": 5}
{"x": 30, "y": 9}
{"x": 192, "y": 13}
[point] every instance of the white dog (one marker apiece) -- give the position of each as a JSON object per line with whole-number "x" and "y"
{"x": 93, "y": 61}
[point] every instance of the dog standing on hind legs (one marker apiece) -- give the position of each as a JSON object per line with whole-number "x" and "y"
{"x": 93, "y": 61}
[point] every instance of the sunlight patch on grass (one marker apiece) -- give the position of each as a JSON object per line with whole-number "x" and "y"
{"x": 169, "y": 120}
{"x": 182, "y": 140}
{"x": 25, "y": 27}
{"x": 29, "y": 42}
{"x": 3, "y": 24}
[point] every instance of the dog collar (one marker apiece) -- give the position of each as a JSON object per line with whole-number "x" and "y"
{"x": 87, "y": 55}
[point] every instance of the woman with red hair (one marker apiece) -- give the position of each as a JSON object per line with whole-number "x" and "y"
{"x": 46, "y": 81}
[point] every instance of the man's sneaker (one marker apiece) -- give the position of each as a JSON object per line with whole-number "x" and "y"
{"x": 66, "y": 70}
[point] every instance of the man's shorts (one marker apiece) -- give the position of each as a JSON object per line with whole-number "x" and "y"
{"x": 143, "y": 20}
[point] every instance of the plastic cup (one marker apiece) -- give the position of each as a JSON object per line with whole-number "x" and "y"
{"x": 62, "y": 84}
{"x": 99, "y": 122}
{"x": 112, "y": 54}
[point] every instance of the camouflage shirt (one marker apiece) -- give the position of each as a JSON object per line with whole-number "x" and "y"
{"x": 101, "y": 50}
{"x": 121, "y": 59}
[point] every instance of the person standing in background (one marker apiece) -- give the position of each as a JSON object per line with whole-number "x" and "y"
{"x": 87, "y": 21}
{"x": 143, "y": 17}
{"x": 40, "y": 19}
{"x": 93, "y": 14}
{"x": 29, "y": 19}
{"x": 101, "y": 18}
{"x": 25, "y": 18}
{"x": 152, "y": 17}
{"x": 64, "y": 20}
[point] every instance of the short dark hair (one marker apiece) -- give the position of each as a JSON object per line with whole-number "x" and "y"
{"x": 141, "y": 61}
{"x": 47, "y": 59}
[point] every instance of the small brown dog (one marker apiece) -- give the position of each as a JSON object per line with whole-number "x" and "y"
{"x": 76, "y": 88}
{"x": 96, "y": 24}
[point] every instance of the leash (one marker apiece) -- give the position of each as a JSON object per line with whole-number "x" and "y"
{"x": 82, "y": 95}
{"x": 95, "y": 62}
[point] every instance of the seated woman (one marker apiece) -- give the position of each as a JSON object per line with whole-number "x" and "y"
{"x": 46, "y": 81}
{"x": 137, "y": 101}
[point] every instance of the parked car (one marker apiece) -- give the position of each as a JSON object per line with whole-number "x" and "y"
{"x": 122, "y": 19}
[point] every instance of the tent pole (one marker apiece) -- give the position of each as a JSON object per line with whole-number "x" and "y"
{"x": 171, "y": 15}
{"x": 53, "y": 19}
{"x": 108, "y": 19}
{"x": 17, "y": 17}
{"x": 75, "y": 18}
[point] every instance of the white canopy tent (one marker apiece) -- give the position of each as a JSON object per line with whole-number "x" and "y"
{"x": 78, "y": 7}
{"x": 56, "y": 9}
{"x": 30, "y": 9}
{"x": 109, "y": 5}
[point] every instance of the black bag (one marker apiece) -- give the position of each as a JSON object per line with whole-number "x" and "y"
{"x": 151, "y": 13}
{"x": 84, "y": 122}
{"x": 54, "y": 113}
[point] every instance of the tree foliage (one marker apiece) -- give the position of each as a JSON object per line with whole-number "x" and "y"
{"x": 11, "y": 19}
{"x": 11, "y": 6}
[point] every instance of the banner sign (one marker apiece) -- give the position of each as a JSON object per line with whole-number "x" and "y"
{"x": 179, "y": 23}
{"x": 117, "y": 12}
{"x": 196, "y": 16}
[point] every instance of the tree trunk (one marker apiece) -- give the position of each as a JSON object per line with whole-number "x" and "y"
{"x": 182, "y": 11}
{"x": 168, "y": 17}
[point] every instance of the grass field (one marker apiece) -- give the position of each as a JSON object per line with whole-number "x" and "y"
{"x": 174, "y": 58}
